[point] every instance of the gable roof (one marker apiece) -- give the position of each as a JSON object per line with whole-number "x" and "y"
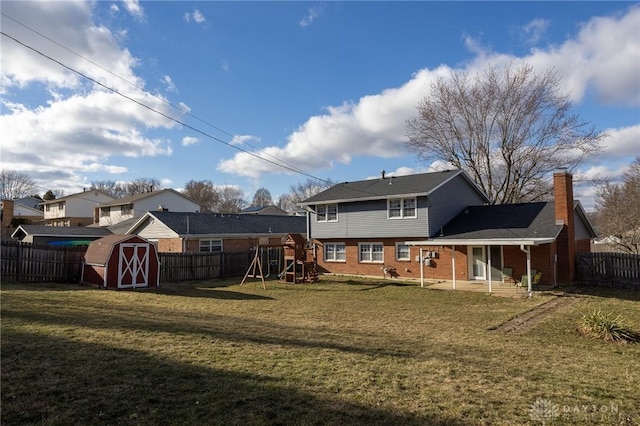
{"x": 59, "y": 231}
{"x": 184, "y": 224}
{"x": 390, "y": 186}
{"x": 77, "y": 195}
{"x": 100, "y": 250}
{"x": 137, "y": 197}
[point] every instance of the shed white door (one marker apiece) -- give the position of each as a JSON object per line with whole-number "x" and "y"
{"x": 133, "y": 269}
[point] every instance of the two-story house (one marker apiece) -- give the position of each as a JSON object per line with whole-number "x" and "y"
{"x": 439, "y": 225}
{"x": 135, "y": 206}
{"x": 75, "y": 209}
{"x": 362, "y": 227}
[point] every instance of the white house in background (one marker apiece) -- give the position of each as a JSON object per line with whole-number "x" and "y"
{"x": 121, "y": 209}
{"x": 75, "y": 209}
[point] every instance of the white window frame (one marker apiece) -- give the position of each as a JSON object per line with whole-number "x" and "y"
{"x": 105, "y": 211}
{"x": 402, "y": 208}
{"x": 209, "y": 245}
{"x": 327, "y": 213}
{"x": 335, "y": 252}
{"x": 408, "y": 247}
{"x": 370, "y": 253}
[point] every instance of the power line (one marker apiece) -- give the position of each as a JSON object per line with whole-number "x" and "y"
{"x": 278, "y": 162}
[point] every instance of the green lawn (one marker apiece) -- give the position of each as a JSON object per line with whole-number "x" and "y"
{"x": 342, "y": 351}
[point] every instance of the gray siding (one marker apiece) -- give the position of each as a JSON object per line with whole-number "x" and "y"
{"x": 368, "y": 219}
{"x": 449, "y": 200}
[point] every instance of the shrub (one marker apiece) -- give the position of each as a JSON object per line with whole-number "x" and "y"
{"x": 605, "y": 326}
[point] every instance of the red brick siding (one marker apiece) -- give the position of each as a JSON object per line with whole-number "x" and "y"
{"x": 440, "y": 268}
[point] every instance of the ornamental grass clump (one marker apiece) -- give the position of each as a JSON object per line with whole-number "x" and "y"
{"x": 599, "y": 325}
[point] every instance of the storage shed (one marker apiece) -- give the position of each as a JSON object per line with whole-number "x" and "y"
{"x": 121, "y": 262}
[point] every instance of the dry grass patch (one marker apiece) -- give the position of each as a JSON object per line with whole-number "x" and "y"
{"x": 343, "y": 351}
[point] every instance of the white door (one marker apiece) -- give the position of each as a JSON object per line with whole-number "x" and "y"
{"x": 133, "y": 269}
{"x": 477, "y": 263}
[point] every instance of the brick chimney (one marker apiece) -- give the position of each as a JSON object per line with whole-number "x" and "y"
{"x": 7, "y": 213}
{"x": 564, "y": 215}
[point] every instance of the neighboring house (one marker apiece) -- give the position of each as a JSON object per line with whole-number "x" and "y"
{"x": 20, "y": 211}
{"x": 59, "y": 235}
{"x": 380, "y": 227}
{"x": 205, "y": 232}
{"x": 75, "y": 209}
{"x": 269, "y": 210}
{"x": 121, "y": 209}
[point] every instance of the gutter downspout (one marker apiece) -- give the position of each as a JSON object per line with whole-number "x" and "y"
{"x": 421, "y": 269}
{"x": 529, "y": 277}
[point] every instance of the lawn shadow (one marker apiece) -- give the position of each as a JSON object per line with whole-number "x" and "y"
{"x": 53, "y": 380}
{"x": 605, "y": 292}
{"x": 211, "y": 293}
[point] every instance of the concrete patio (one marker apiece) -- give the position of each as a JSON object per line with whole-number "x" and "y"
{"x": 498, "y": 288}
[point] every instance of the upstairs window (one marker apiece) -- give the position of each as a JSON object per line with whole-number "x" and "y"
{"x": 327, "y": 213}
{"x": 399, "y": 208}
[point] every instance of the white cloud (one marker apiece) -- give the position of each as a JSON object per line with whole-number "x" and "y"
{"x": 243, "y": 139}
{"x": 374, "y": 125}
{"x": 169, "y": 84}
{"x": 534, "y": 30}
{"x": 622, "y": 142}
{"x": 135, "y": 9}
{"x": 78, "y": 126}
{"x": 313, "y": 12}
{"x": 188, "y": 140}
{"x": 195, "y": 16}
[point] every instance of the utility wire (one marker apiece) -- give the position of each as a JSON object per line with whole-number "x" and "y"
{"x": 168, "y": 117}
{"x": 176, "y": 107}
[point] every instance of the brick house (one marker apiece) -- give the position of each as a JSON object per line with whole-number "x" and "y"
{"x": 206, "y": 232}
{"x": 380, "y": 227}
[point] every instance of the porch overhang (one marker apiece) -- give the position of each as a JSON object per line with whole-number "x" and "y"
{"x": 524, "y": 244}
{"x": 482, "y": 242}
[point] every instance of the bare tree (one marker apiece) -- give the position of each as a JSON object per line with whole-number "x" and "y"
{"x": 262, "y": 197}
{"x": 15, "y": 184}
{"x": 110, "y": 187}
{"x": 508, "y": 128}
{"x": 301, "y": 191}
{"x": 203, "y": 192}
{"x": 618, "y": 210}
{"x": 231, "y": 200}
{"x": 142, "y": 185}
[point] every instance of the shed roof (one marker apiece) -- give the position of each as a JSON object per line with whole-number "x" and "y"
{"x": 99, "y": 250}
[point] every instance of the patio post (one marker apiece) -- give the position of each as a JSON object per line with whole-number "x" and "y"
{"x": 529, "y": 277}
{"x": 489, "y": 266}
{"x": 421, "y": 269}
{"x": 453, "y": 264}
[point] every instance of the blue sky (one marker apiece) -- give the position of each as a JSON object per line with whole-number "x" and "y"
{"x": 323, "y": 86}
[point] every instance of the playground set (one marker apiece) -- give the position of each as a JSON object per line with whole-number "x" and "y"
{"x": 300, "y": 264}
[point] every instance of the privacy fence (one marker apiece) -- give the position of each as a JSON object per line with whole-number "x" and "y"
{"x": 618, "y": 270}
{"x": 24, "y": 262}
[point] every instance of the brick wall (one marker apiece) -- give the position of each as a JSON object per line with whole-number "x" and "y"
{"x": 440, "y": 268}
{"x": 566, "y": 244}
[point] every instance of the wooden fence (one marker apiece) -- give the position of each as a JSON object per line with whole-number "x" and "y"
{"x": 617, "y": 270}
{"x": 24, "y": 262}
